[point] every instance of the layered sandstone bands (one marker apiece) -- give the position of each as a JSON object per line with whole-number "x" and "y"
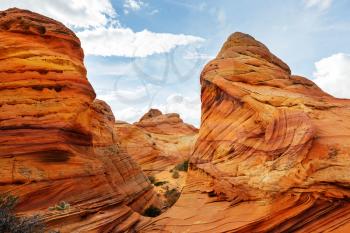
{"x": 272, "y": 153}
{"x": 158, "y": 141}
{"x": 57, "y": 143}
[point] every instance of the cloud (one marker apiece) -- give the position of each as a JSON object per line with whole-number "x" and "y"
{"x": 73, "y": 13}
{"x": 133, "y": 5}
{"x": 129, "y": 114}
{"x": 333, "y": 75}
{"x": 189, "y": 108}
{"x": 116, "y": 41}
{"x": 320, "y": 4}
{"x": 153, "y": 12}
{"x": 98, "y": 27}
{"x": 197, "y": 56}
{"x": 137, "y": 94}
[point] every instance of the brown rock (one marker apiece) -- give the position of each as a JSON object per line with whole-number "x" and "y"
{"x": 272, "y": 153}
{"x": 57, "y": 143}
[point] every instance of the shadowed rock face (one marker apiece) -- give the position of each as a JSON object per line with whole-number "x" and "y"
{"x": 272, "y": 153}
{"x": 57, "y": 142}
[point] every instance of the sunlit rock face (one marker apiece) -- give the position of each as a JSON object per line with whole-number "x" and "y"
{"x": 272, "y": 153}
{"x": 57, "y": 142}
{"x": 158, "y": 141}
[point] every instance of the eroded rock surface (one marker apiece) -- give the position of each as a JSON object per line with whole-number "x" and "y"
{"x": 272, "y": 153}
{"x": 161, "y": 144}
{"x": 158, "y": 141}
{"x": 57, "y": 142}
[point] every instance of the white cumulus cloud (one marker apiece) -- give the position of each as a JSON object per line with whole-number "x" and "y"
{"x": 189, "y": 108}
{"x": 116, "y": 41}
{"x": 129, "y": 114}
{"x": 98, "y": 27}
{"x": 333, "y": 75}
{"x": 134, "y": 94}
{"x": 321, "y": 4}
{"x": 133, "y": 5}
{"x": 73, "y": 13}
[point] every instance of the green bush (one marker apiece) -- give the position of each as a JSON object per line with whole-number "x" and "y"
{"x": 182, "y": 166}
{"x": 172, "y": 196}
{"x": 152, "y": 179}
{"x": 175, "y": 174}
{"x": 60, "y": 206}
{"x": 152, "y": 211}
{"x": 160, "y": 183}
{"x": 10, "y": 223}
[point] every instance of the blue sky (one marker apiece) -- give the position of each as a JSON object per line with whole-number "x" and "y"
{"x": 142, "y": 54}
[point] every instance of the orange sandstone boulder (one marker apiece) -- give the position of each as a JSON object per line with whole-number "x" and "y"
{"x": 170, "y": 124}
{"x": 158, "y": 141}
{"x": 161, "y": 144}
{"x": 272, "y": 153}
{"x": 57, "y": 142}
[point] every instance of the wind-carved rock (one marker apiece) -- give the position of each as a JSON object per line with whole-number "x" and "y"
{"x": 158, "y": 140}
{"x": 57, "y": 142}
{"x": 272, "y": 153}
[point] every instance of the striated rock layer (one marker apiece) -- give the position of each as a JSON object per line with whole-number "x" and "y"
{"x": 158, "y": 141}
{"x": 57, "y": 143}
{"x": 272, "y": 153}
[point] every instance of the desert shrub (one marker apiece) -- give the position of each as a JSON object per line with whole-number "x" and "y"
{"x": 333, "y": 152}
{"x": 152, "y": 179}
{"x": 10, "y": 223}
{"x": 175, "y": 174}
{"x": 60, "y": 206}
{"x": 160, "y": 183}
{"x": 172, "y": 196}
{"x": 152, "y": 211}
{"x": 182, "y": 166}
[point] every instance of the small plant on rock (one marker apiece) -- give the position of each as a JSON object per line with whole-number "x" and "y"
{"x": 60, "y": 206}
{"x": 182, "y": 166}
{"x": 152, "y": 179}
{"x": 175, "y": 175}
{"x": 172, "y": 196}
{"x": 160, "y": 183}
{"x": 152, "y": 211}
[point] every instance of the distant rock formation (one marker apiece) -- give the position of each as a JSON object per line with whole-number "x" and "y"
{"x": 57, "y": 142}
{"x": 171, "y": 124}
{"x": 272, "y": 153}
{"x": 158, "y": 140}
{"x": 161, "y": 144}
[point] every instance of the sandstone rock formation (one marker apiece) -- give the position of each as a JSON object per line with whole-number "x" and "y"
{"x": 57, "y": 142}
{"x": 158, "y": 141}
{"x": 272, "y": 153}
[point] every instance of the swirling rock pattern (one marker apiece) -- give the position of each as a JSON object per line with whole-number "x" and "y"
{"x": 158, "y": 141}
{"x": 272, "y": 153}
{"x": 57, "y": 142}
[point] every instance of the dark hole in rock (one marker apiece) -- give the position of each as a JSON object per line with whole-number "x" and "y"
{"x": 41, "y": 30}
{"x": 58, "y": 88}
{"x": 212, "y": 194}
{"x": 38, "y": 88}
{"x": 42, "y": 71}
